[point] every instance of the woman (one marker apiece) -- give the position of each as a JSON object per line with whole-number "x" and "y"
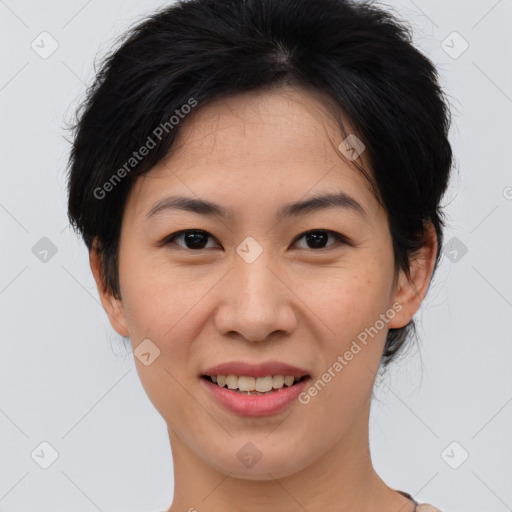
{"x": 258, "y": 183}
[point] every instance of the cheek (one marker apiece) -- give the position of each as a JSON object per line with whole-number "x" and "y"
{"x": 166, "y": 305}
{"x": 351, "y": 353}
{"x": 157, "y": 298}
{"x": 164, "y": 309}
{"x": 353, "y": 304}
{"x": 350, "y": 301}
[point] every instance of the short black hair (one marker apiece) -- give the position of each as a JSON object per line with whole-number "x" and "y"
{"x": 357, "y": 56}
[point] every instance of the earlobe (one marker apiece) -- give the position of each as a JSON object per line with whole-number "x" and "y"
{"x": 112, "y": 305}
{"x": 411, "y": 290}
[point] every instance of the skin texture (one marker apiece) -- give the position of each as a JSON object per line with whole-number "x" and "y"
{"x": 295, "y": 303}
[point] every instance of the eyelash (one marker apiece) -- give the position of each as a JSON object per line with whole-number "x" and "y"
{"x": 340, "y": 239}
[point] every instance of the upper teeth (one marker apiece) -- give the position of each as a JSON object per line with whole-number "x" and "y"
{"x": 245, "y": 383}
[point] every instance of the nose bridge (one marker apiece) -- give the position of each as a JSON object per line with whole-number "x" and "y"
{"x": 256, "y": 303}
{"x": 256, "y": 283}
{"x": 252, "y": 274}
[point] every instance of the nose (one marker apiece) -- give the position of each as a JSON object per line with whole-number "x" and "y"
{"x": 256, "y": 303}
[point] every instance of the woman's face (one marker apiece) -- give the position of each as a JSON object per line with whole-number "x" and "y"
{"x": 253, "y": 287}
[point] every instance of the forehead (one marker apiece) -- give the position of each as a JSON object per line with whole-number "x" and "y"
{"x": 282, "y": 143}
{"x": 272, "y": 123}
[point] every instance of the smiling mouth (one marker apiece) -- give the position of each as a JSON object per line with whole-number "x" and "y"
{"x": 247, "y": 385}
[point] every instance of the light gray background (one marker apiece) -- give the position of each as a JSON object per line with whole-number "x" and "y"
{"x": 65, "y": 377}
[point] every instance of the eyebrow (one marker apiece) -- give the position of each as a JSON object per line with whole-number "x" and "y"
{"x": 203, "y": 207}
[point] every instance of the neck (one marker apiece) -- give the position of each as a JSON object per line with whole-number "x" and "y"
{"x": 342, "y": 479}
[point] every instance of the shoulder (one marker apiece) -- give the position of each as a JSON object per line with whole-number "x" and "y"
{"x": 420, "y": 507}
{"x": 425, "y": 507}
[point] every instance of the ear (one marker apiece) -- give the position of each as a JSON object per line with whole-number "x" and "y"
{"x": 410, "y": 292}
{"x": 112, "y": 306}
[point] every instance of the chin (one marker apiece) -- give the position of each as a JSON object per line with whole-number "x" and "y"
{"x": 258, "y": 460}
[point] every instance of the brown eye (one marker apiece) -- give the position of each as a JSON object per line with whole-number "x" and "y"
{"x": 318, "y": 238}
{"x": 194, "y": 239}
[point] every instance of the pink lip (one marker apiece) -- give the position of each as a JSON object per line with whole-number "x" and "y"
{"x": 255, "y": 405}
{"x": 255, "y": 370}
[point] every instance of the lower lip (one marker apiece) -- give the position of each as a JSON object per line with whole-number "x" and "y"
{"x": 256, "y": 405}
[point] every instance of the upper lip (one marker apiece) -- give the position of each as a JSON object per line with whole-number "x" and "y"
{"x": 240, "y": 368}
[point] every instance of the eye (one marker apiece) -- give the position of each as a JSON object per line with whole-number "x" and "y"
{"x": 195, "y": 239}
{"x": 317, "y": 239}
